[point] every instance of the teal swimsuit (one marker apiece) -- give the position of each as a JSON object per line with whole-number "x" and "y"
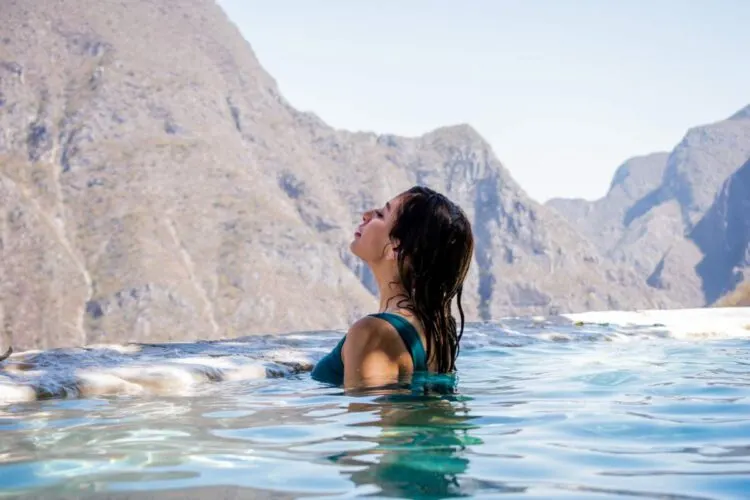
{"x": 330, "y": 369}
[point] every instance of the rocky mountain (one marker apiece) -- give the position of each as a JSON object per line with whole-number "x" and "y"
{"x": 139, "y": 158}
{"x": 656, "y": 228}
{"x": 528, "y": 259}
{"x": 699, "y": 165}
{"x": 155, "y": 185}
{"x": 739, "y": 297}
{"x": 718, "y": 248}
{"x": 602, "y": 221}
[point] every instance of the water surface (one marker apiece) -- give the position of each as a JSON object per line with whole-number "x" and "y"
{"x": 541, "y": 410}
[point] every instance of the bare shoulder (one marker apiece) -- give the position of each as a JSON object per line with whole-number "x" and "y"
{"x": 370, "y": 332}
{"x": 370, "y": 355}
{"x": 371, "y": 336}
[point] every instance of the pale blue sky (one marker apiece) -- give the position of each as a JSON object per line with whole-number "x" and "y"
{"x": 564, "y": 90}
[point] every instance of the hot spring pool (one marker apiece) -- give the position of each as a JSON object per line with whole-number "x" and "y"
{"x": 543, "y": 409}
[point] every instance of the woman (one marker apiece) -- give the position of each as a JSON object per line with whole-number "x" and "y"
{"x": 419, "y": 247}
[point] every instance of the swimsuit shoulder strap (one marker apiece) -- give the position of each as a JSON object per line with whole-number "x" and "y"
{"x": 410, "y": 336}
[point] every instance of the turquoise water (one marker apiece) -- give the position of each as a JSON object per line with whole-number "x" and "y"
{"x": 540, "y": 411}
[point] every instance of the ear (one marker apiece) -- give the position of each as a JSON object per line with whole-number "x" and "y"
{"x": 391, "y": 251}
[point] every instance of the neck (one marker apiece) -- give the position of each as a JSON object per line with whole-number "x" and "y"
{"x": 390, "y": 290}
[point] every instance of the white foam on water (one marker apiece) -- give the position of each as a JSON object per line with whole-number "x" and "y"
{"x": 174, "y": 369}
{"x": 289, "y": 356}
{"x": 12, "y": 393}
{"x": 160, "y": 379}
{"x": 120, "y": 348}
{"x": 225, "y": 362}
{"x": 92, "y": 384}
{"x": 692, "y": 324}
{"x": 246, "y": 372}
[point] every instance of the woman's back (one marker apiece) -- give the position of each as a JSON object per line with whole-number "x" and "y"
{"x": 330, "y": 369}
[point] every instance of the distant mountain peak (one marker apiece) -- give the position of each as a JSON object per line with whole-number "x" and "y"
{"x": 458, "y": 129}
{"x": 743, "y": 114}
{"x": 460, "y": 133}
{"x": 649, "y": 166}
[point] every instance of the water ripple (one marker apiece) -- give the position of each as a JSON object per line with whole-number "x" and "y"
{"x": 536, "y": 415}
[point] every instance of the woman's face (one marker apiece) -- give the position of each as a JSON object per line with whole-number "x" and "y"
{"x": 371, "y": 240}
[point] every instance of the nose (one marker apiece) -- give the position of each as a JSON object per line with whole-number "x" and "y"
{"x": 367, "y": 216}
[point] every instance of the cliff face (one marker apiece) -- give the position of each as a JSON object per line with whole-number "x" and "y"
{"x": 703, "y": 160}
{"x": 668, "y": 230}
{"x": 719, "y": 247}
{"x": 603, "y": 220}
{"x": 528, "y": 259}
{"x": 155, "y": 185}
{"x": 139, "y": 186}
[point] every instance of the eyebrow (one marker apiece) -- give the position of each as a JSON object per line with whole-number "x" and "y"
{"x": 388, "y": 205}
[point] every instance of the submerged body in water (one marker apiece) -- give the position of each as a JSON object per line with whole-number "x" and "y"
{"x": 540, "y": 409}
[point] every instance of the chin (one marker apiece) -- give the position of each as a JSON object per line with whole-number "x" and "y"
{"x": 355, "y": 249}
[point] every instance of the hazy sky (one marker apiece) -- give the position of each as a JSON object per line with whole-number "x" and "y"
{"x": 564, "y": 90}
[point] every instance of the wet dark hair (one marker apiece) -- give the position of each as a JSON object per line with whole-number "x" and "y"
{"x": 435, "y": 243}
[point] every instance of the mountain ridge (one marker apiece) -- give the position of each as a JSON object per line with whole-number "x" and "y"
{"x": 657, "y": 232}
{"x": 719, "y": 245}
{"x": 156, "y": 186}
{"x": 605, "y": 221}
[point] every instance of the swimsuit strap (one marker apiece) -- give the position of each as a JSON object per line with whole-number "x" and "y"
{"x": 410, "y": 336}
